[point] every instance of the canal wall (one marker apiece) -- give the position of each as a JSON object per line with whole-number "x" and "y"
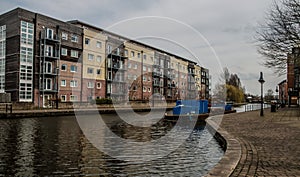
{"x": 229, "y": 144}
{"x": 72, "y": 112}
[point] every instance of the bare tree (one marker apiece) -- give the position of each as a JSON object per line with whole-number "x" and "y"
{"x": 279, "y": 34}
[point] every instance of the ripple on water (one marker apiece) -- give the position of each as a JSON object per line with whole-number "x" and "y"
{"x": 57, "y": 147}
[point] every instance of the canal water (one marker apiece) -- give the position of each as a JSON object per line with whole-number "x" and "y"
{"x": 56, "y": 146}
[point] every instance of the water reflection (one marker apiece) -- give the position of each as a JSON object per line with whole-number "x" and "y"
{"x": 56, "y": 146}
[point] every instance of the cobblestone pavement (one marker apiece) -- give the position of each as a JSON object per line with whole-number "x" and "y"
{"x": 270, "y": 145}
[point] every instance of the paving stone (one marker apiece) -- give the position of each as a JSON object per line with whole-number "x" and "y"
{"x": 270, "y": 145}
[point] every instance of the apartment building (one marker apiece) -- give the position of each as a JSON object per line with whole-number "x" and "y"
{"x": 33, "y": 62}
{"x": 93, "y": 62}
{"x": 139, "y": 73}
{"x": 45, "y": 61}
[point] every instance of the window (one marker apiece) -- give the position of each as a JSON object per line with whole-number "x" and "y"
{"x": 63, "y": 83}
{"x": 90, "y": 70}
{"x": 48, "y": 84}
{"x": 144, "y": 78}
{"x": 63, "y": 98}
{"x": 132, "y": 53}
{"x": 145, "y": 57}
{"x": 87, "y": 41}
{"x": 134, "y": 77}
{"x": 64, "y": 51}
{"x": 90, "y": 85}
{"x": 63, "y": 67}
{"x": 109, "y": 75}
{"x": 49, "y": 33}
{"x": 139, "y": 55}
{"x": 90, "y": 57}
{"x": 129, "y": 65}
{"x": 48, "y": 67}
{"x": 26, "y": 60}
{"x": 99, "y": 44}
{"x": 49, "y": 50}
{"x": 74, "y": 53}
{"x": 73, "y": 83}
{"x": 98, "y": 71}
{"x": 149, "y": 69}
{"x": 74, "y": 38}
{"x": 64, "y": 36}
{"x": 149, "y": 79}
{"x": 73, "y": 98}
{"x": 99, "y": 58}
{"x": 99, "y": 85}
{"x": 126, "y": 53}
{"x": 135, "y": 66}
{"x": 108, "y": 48}
{"x": 144, "y": 68}
{"x": 144, "y": 89}
{"x": 118, "y": 51}
{"x": 149, "y": 89}
{"x": 73, "y": 68}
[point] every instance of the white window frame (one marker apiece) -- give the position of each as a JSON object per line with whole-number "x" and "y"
{"x": 99, "y": 44}
{"x": 73, "y": 83}
{"x": 49, "y": 51}
{"x": 73, "y": 98}
{"x": 91, "y": 57}
{"x": 64, "y": 51}
{"x": 47, "y": 86}
{"x": 99, "y": 58}
{"x": 63, "y": 81}
{"x": 90, "y": 70}
{"x": 99, "y": 83}
{"x": 74, "y": 38}
{"x": 49, "y": 33}
{"x": 90, "y": 85}
{"x": 87, "y": 41}
{"x": 99, "y": 73}
{"x": 74, "y": 53}
{"x": 63, "y": 96}
{"x": 64, "y": 36}
{"x": 75, "y": 69}
{"x": 65, "y": 67}
{"x": 48, "y": 65}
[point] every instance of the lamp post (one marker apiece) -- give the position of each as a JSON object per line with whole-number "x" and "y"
{"x": 261, "y": 81}
{"x": 277, "y": 96}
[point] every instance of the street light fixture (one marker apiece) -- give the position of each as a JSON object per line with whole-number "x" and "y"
{"x": 261, "y": 81}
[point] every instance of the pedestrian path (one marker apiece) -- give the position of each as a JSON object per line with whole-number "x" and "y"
{"x": 270, "y": 145}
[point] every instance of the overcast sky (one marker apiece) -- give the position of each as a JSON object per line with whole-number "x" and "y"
{"x": 214, "y": 33}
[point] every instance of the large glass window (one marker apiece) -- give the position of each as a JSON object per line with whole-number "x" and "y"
{"x": 2, "y": 57}
{"x": 26, "y": 62}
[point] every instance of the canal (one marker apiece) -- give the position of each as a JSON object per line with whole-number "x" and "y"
{"x": 56, "y": 146}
